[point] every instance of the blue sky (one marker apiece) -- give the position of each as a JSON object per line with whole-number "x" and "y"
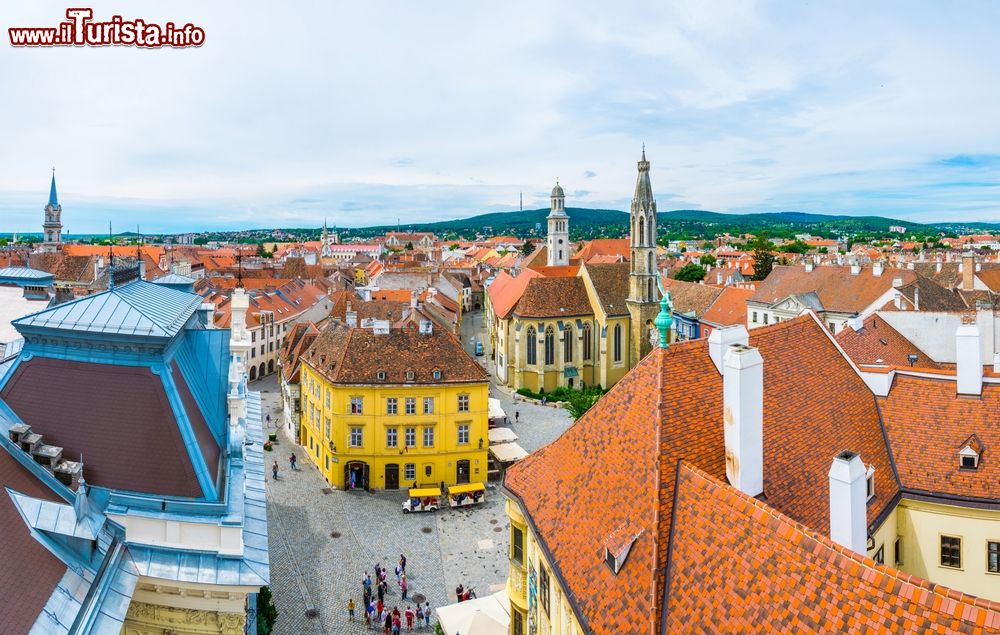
{"x": 365, "y": 112}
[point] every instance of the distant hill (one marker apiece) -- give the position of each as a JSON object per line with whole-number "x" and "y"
{"x": 696, "y": 222}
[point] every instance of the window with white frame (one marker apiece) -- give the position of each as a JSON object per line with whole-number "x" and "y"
{"x": 463, "y": 434}
{"x": 428, "y": 405}
{"x": 391, "y": 437}
{"x": 428, "y": 437}
{"x": 357, "y": 405}
{"x": 410, "y": 472}
{"x": 411, "y": 405}
{"x": 356, "y": 437}
{"x": 463, "y": 403}
{"x": 391, "y": 406}
{"x": 870, "y": 483}
{"x": 410, "y": 437}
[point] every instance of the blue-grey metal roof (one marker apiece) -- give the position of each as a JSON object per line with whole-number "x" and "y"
{"x": 138, "y": 308}
{"x": 174, "y": 278}
{"x": 53, "y": 199}
{"x": 55, "y": 518}
{"x": 26, "y": 273}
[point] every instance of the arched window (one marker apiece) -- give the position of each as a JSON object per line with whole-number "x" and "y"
{"x": 550, "y": 346}
{"x": 649, "y": 290}
{"x": 652, "y": 262}
{"x": 618, "y": 343}
{"x": 532, "y": 345}
{"x": 642, "y": 231}
{"x": 586, "y": 342}
{"x": 652, "y": 229}
{"x": 568, "y": 345}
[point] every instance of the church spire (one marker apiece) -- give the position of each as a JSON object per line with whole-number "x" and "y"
{"x": 53, "y": 199}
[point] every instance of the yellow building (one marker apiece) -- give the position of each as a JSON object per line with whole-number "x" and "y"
{"x": 387, "y": 407}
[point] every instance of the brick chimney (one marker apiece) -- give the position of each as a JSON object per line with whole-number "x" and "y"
{"x": 848, "y": 502}
{"x": 969, "y": 368}
{"x": 968, "y": 271}
{"x": 743, "y": 418}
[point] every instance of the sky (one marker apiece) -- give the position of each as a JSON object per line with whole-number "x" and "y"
{"x": 366, "y": 112}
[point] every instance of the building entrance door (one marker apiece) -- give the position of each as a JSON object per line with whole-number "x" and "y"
{"x": 462, "y": 476}
{"x": 392, "y": 476}
{"x": 356, "y": 475}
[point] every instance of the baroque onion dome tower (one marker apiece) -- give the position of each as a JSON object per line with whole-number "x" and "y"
{"x": 52, "y": 227}
{"x": 558, "y": 242}
{"x": 643, "y": 292}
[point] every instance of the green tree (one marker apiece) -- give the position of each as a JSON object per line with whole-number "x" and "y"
{"x": 267, "y": 612}
{"x": 763, "y": 262}
{"x": 580, "y": 401}
{"x": 708, "y": 259}
{"x": 527, "y": 248}
{"x": 201, "y": 240}
{"x": 690, "y": 273}
{"x": 795, "y": 247}
{"x": 409, "y": 246}
{"x": 262, "y": 252}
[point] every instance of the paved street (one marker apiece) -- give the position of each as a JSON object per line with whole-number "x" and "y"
{"x": 322, "y": 540}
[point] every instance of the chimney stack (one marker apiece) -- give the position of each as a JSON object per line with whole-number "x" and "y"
{"x": 937, "y": 266}
{"x": 968, "y": 363}
{"x": 877, "y": 268}
{"x": 849, "y": 502}
{"x": 968, "y": 271}
{"x": 996, "y": 363}
{"x": 743, "y": 418}
{"x": 720, "y": 340}
{"x": 809, "y": 267}
{"x": 855, "y": 269}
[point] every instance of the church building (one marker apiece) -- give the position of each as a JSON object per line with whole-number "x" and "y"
{"x": 572, "y": 322}
{"x": 52, "y": 227}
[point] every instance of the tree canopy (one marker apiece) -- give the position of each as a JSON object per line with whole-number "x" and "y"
{"x": 690, "y": 273}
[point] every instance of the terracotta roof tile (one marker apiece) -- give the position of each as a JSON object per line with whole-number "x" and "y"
{"x": 837, "y": 288}
{"x": 928, "y": 423}
{"x": 877, "y": 343}
{"x": 729, "y": 309}
{"x": 611, "y": 282}
{"x": 691, "y": 298}
{"x": 553, "y": 297}
{"x": 736, "y": 565}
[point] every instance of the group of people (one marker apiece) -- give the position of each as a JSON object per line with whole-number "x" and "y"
{"x": 292, "y": 462}
{"x": 377, "y": 613}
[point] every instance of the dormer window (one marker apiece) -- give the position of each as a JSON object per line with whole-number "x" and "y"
{"x": 870, "y": 483}
{"x": 409, "y": 375}
{"x": 968, "y": 455}
{"x": 437, "y": 374}
{"x": 380, "y": 375}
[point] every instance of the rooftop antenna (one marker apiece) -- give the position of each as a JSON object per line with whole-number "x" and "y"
{"x": 138, "y": 243}
{"x": 520, "y": 199}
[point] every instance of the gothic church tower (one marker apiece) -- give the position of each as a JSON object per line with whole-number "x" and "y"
{"x": 558, "y": 241}
{"x": 643, "y": 292}
{"x": 52, "y": 227}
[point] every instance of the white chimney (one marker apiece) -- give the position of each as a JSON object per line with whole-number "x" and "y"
{"x": 855, "y": 269}
{"x": 996, "y": 363}
{"x": 910, "y": 266}
{"x": 937, "y": 266}
{"x": 877, "y": 268}
{"x": 743, "y": 418}
{"x": 848, "y": 502}
{"x": 916, "y": 298}
{"x": 809, "y": 267}
{"x": 897, "y": 300}
{"x": 897, "y": 282}
{"x": 969, "y": 368}
{"x": 721, "y": 338}
{"x": 856, "y": 322}
{"x": 718, "y": 277}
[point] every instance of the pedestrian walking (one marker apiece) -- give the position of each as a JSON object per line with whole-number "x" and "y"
{"x": 427, "y": 614}
{"x": 381, "y": 593}
{"x": 274, "y": 471}
{"x": 409, "y": 617}
{"x": 402, "y": 562}
{"x": 291, "y": 460}
{"x": 399, "y": 574}
{"x": 386, "y": 621}
{"x": 268, "y": 419}
{"x": 369, "y": 613}
{"x": 403, "y": 586}
{"x": 350, "y": 609}
{"x": 517, "y": 416}
{"x": 420, "y": 615}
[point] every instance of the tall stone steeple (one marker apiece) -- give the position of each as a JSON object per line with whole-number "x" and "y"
{"x": 558, "y": 241}
{"x": 52, "y": 226}
{"x": 643, "y": 294}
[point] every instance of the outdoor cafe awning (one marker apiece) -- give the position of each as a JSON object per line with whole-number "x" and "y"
{"x": 502, "y": 435}
{"x": 495, "y": 409}
{"x": 508, "y": 452}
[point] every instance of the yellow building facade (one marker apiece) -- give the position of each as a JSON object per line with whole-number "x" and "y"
{"x": 390, "y": 434}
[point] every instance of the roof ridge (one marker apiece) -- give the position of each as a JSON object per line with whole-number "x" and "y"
{"x": 973, "y": 603}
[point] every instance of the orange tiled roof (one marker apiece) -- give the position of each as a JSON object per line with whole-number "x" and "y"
{"x": 611, "y": 282}
{"x": 928, "y": 423}
{"x": 506, "y": 290}
{"x": 729, "y": 309}
{"x": 603, "y": 247}
{"x": 836, "y": 287}
{"x": 558, "y": 271}
{"x": 738, "y": 566}
{"x": 635, "y": 460}
{"x": 878, "y": 343}
{"x": 553, "y": 297}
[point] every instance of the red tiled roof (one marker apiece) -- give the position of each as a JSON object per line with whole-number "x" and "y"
{"x": 729, "y": 309}
{"x": 738, "y": 566}
{"x": 553, "y": 297}
{"x": 836, "y": 287}
{"x": 928, "y": 423}
{"x": 29, "y": 572}
{"x": 803, "y": 431}
{"x": 118, "y": 417}
{"x": 505, "y": 291}
{"x": 602, "y": 247}
{"x": 611, "y": 283}
{"x": 878, "y": 343}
